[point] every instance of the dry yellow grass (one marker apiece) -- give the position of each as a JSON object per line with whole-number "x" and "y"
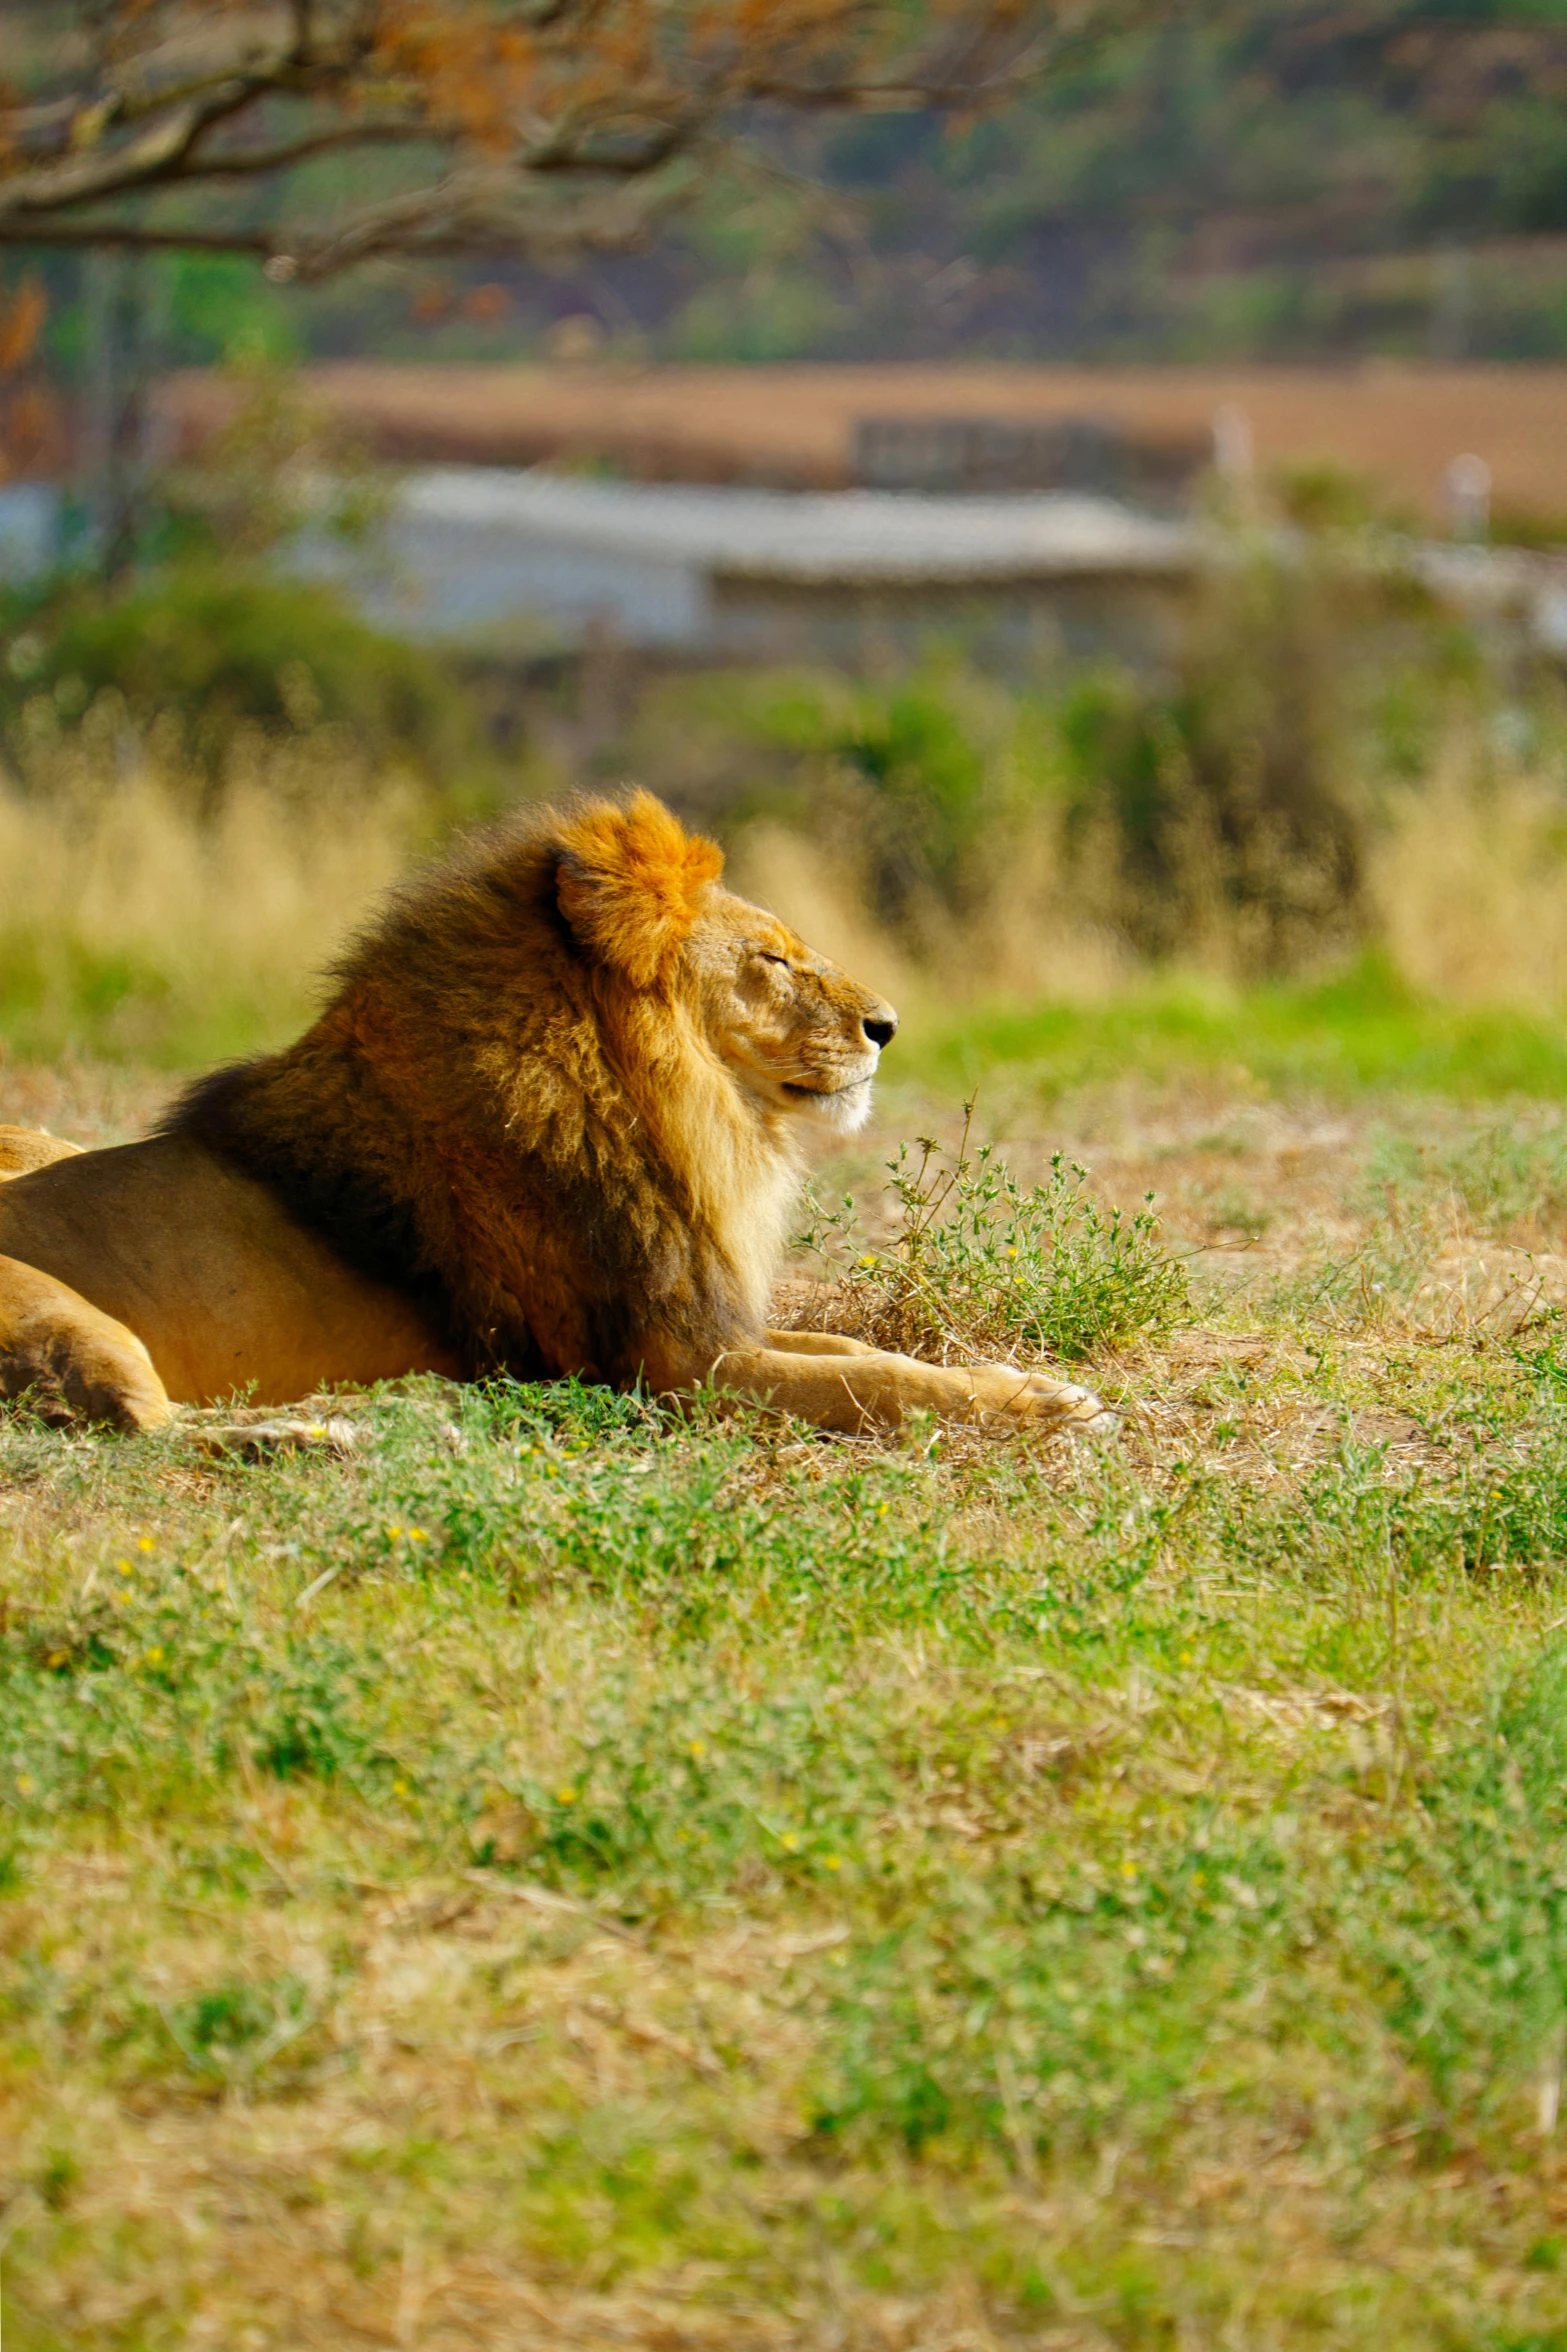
{"x": 1032, "y": 942}
{"x": 135, "y": 923}
{"x": 1470, "y": 884}
{"x": 1467, "y": 887}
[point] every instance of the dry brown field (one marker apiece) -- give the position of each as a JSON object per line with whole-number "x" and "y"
{"x": 1400, "y": 424}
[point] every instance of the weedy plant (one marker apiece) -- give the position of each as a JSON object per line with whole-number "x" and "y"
{"x": 979, "y": 1263}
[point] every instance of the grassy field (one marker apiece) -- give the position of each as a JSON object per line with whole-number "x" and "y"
{"x": 559, "y": 1876}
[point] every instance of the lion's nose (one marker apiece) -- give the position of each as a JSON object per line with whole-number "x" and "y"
{"x": 882, "y": 1032}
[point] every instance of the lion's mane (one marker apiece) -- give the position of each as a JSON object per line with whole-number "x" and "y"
{"x": 510, "y": 1098}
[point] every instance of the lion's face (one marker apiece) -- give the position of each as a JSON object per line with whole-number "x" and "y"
{"x": 796, "y": 1032}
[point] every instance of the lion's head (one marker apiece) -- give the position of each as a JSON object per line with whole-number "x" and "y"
{"x": 794, "y": 1032}
{"x": 793, "y": 1029}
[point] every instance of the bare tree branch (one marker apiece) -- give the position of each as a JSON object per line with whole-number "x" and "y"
{"x": 122, "y": 236}
{"x": 256, "y": 163}
{"x": 557, "y": 121}
{"x": 162, "y": 153}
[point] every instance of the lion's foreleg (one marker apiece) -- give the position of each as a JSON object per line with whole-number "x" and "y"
{"x": 880, "y": 1390}
{"x": 74, "y": 1361}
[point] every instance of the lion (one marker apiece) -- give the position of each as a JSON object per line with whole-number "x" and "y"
{"x": 552, "y": 1121}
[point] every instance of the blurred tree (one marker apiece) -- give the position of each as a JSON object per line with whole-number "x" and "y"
{"x": 540, "y": 127}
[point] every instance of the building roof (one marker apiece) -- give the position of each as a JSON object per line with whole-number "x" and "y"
{"x": 847, "y": 535}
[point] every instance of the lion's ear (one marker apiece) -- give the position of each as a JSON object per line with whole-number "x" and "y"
{"x": 630, "y": 884}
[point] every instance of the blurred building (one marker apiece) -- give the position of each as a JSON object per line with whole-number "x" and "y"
{"x": 510, "y": 559}
{"x": 971, "y": 456}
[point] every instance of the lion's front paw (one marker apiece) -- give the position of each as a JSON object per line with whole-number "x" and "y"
{"x": 1037, "y": 1398}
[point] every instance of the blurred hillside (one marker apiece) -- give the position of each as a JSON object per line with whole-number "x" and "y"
{"x": 1249, "y": 181}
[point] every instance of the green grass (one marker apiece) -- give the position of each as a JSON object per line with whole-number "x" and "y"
{"x": 571, "y": 1874}
{"x": 1360, "y": 1034}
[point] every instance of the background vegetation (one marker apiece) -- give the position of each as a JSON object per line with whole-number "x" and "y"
{"x": 1334, "y": 782}
{"x": 1236, "y": 181}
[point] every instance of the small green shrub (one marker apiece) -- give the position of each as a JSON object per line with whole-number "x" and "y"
{"x": 232, "y": 2029}
{"x": 982, "y": 1265}
{"x": 933, "y": 773}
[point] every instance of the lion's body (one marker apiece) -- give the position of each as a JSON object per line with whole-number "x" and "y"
{"x": 549, "y": 1122}
{"x": 225, "y": 1290}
